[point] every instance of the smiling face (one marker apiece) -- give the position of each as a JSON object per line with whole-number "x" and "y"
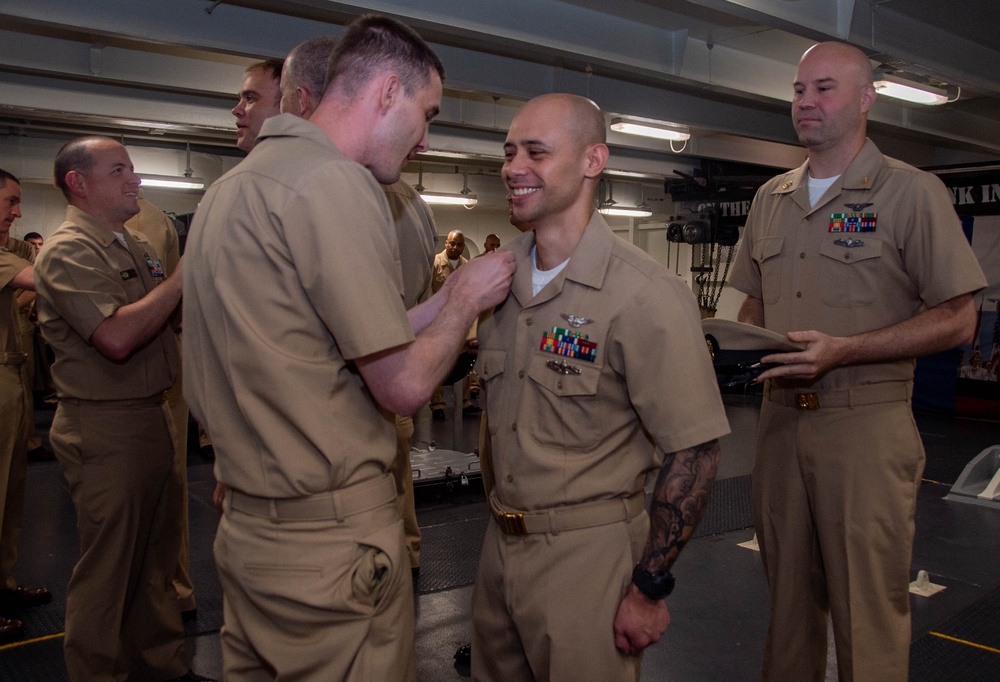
{"x": 833, "y": 92}
{"x": 110, "y": 188}
{"x": 548, "y": 158}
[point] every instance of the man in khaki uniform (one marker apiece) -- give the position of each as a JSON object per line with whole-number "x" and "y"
{"x": 159, "y": 229}
{"x": 104, "y": 303}
{"x": 298, "y": 349}
{"x": 26, "y": 317}
{"x": 573, "y": 571}
{"x": 301, "y": 90}
{"x": 445, "y": 263}
{"x": 860, "y": 259}
{"x": 417, "y": 236}
{"x": 16, "y": 258}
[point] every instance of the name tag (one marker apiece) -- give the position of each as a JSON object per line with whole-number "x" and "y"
{"x": 128, "y": 274}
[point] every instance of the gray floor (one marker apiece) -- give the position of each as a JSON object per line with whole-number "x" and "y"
{"x": 719, "y": 610}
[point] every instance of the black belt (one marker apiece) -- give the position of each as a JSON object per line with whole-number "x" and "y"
{"x": 332, "y": 504}
{"x": 572, "y": 517}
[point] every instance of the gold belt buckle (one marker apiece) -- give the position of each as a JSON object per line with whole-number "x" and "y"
{"x": 512, "y": 524}
{"x": 807, "y": 401}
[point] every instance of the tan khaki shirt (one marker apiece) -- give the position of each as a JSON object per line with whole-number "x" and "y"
{"x": 160, "y": 231}
{"x": 83, "y": 275}
{"x": 417, "y": 240}
{"x": 588, "y": 383}
{"x": 910, "y": 254}
{"x": 443, "y": 268}
{"x": 291, "y": 271}
{"x": 10, "y": 329}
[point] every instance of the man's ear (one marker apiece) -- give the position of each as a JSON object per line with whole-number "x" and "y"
{"x": 306, "y": 105}
{"x": 76, "y": 183}
{"x": 595, "y": 157}
{"x": 390, "y": 90}
{"x": 868, "y": 96}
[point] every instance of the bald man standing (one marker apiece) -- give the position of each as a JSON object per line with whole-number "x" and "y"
{"x": 860, "y": 259}
{"x": 573, "y": 571}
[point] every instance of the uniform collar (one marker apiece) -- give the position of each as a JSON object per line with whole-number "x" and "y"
{"x": 588, "y": 264}
{"x": 290, "y": 125}
{"x": 96, "y": 230}
{"x": 860, "y": 174}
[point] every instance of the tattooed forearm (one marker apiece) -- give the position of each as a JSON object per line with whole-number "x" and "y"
{"x": 679, "y": 500}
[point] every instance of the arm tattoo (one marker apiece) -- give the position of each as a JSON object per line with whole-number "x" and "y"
{"x": 679, "y": 499}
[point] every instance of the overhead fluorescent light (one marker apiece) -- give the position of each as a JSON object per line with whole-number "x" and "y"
{"x": 626, "y": 211}
{"x": 464, "y": 198}
{"x": 632, "y": 174}
{"x": 647, "y": 127}
{"x": 910, "y": 91}
{"x": 449, "y": 198}
{"x": 171, "y": 181}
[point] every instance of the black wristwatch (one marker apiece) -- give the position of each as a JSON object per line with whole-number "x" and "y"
{"x": 656, "y": 586}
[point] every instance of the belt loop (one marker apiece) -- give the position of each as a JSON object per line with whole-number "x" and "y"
{"x": 338, "y": 511}
{"x": 628, "y": 512}
{"x": 553, "y": 528}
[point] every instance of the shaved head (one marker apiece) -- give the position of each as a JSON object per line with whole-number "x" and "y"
{"x": 579, "y": 116}
{"x": 847, "y": 57}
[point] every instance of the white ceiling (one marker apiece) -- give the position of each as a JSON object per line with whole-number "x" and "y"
{"x": 166, "y": 70}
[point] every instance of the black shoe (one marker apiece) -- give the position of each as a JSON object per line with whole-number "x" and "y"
{"x": 207, "y": 452}
{"x": 20, "y": 598}
{"x": 192, "y": 676}
{"x": 464, "y": 654}
{"x": 10, "y": 629}
{"x": 438, "y": 415}
{"x": 40, "y": 454}
{"x": 472, "y": 410}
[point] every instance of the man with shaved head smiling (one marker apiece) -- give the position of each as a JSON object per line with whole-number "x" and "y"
{"x": 573, "y": 570}
{"x": 860, "y": 259}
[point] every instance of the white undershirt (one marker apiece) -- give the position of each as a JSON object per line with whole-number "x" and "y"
{"x": 817, "y": 188}
{"x": 453, "y": 263}
{"x": 540, "y": 278}
{"x": 121, "y": 238}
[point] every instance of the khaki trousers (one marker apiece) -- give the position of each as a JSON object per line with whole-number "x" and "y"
{"x": 179, "y": 419}
{"x": 402, "y": 475}
{"x": 316, "y": 600}
{"x": 28, "y": 376}
{"x": 122, "y": 615}
{"x": 13, "y": 468}
{"x": 544, "y": 604}
{"x": 834, "y": 498}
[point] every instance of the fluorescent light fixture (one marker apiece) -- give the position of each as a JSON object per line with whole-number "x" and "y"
{"x": 449, "y": 198}
{"x": 909, "y": 91}
{"x": 626, "y": 211}
{"x": 465, "y": 198}
{"x": 632, "y": 174}
{"x": 648, "y": 127}
{"x": 171, "y": 181}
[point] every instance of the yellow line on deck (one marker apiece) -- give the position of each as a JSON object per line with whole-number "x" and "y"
{"x": 24, "y": 642}
{"x": 962, "y": 641}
